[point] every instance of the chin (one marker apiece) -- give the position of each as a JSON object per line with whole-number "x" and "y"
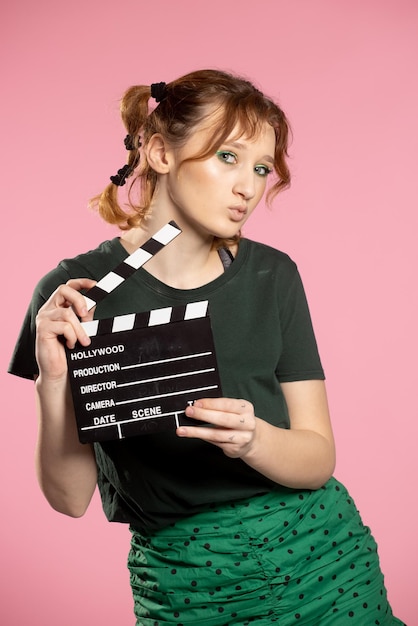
{"x": 228, "y": 233}
{"x": 228, "y": 237}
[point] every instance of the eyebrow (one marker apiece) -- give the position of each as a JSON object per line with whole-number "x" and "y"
{"x": 238, "y": 144}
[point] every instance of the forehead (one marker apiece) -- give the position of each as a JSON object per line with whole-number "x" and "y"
{"x": 260, "y": 146}
{"x": 214, "y": 130}
{"x": 263, "y": 134}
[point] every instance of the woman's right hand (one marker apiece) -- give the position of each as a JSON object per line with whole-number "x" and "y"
{"x": 59, "y": 318}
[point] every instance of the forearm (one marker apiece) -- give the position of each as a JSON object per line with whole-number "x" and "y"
{"x": 300, "y": 459}
{"x": 66, "y": 469}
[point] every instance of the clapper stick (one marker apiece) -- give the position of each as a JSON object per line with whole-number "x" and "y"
{"x": 155, "y": 317}
{"x": 133, "y": 262}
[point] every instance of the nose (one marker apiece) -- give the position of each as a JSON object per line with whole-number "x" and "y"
{"x": 245, "y": 185}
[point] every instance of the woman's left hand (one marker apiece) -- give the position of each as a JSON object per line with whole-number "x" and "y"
{"x": 232, "y": 424}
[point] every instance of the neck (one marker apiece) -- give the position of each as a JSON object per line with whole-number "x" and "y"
{"x": 187, "y": 262}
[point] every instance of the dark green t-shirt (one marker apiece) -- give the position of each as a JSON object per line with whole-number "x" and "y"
{"x": 263, "y": 336}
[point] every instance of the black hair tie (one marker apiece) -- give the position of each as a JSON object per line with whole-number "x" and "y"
{"x": 158, "y": 91}
{"x": 129, "y": 142}
{"x": 119, "y": 179}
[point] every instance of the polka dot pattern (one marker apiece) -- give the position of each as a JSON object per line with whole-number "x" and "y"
{"x": 286, "y": 557}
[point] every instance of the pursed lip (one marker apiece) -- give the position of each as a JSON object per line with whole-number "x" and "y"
{"x": 239, "y": 208}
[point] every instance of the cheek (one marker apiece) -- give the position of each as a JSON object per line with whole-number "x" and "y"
{"x": 260, "y": 190}
{"x": 201, "y": 180}
{"x": 193, "y": 175}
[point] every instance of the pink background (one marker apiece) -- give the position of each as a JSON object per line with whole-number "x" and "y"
{"x": 346, "y": 73}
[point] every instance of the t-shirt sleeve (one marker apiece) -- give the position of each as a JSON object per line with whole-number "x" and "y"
{"x": 300, "y": 358}
{"x": 23, "y": 362}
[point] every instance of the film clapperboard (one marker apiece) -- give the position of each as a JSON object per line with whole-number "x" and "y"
{"x": 141, "y": 370}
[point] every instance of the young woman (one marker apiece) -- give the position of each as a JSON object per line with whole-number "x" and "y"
{"x": 238, "y": 518}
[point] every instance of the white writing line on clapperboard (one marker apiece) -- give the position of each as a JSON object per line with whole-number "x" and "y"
{"x": 166, "y": 395}
{"x": 154, "y": 380}
{"x": 177, "y": 358}
{"x": 129, "y": 420}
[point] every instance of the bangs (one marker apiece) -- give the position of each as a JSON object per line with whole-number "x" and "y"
{"x": 233, "y": 120}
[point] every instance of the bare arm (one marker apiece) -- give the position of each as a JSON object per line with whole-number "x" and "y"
{"x": 301, "y": 457}
{"x": 304, "y": 455}
{"x": 66, "y": 469}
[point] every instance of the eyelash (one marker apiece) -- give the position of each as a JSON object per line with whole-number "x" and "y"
{"x": 267, "y": 170}
{"x": 221, "y": 154}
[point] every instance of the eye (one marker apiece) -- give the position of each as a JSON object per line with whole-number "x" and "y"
{"x": 262, "y": 170}
{"x": 227, "y": 157}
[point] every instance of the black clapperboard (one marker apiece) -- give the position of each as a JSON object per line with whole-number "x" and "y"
{"x": 141, "y": 370}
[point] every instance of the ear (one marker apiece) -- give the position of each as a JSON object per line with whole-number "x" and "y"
{"x": 157, "y": 155}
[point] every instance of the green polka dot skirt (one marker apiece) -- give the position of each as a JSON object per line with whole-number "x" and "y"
{"x": 287, "y": 557}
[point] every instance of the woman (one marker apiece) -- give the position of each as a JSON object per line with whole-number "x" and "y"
{"x": 237, "y": 518}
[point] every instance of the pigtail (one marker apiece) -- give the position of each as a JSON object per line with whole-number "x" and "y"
{"x": 134, "y": 112}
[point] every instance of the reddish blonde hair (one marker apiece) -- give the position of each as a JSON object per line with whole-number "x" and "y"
{"x": 188, "y": 101}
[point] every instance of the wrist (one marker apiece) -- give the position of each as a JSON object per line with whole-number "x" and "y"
{"x": 255, "y": 449}
{"x": 45, "y": 383}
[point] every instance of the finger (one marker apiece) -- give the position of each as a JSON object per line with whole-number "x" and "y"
{"x": 83, "y": 284}
{"x": 69, "y": 295}
{"x": 233, "y": 443}
{"x": 217, "y": 436}
{"x": 223, "y": 412}
{"x": 73, "y": 333}
{"x": 229, "y": 405}
{"x": 61, "y": 322}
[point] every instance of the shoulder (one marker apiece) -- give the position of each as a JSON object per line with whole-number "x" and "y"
{"x": 95, "y": 262}
{"x": 92, "y": 264}
{"x": 271, "y": 271}
{"x": 261, "y": 257}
